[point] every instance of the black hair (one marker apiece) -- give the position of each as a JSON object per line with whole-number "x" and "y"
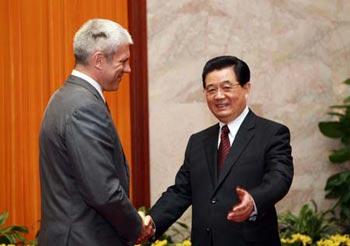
{"x": 240, "y": 68}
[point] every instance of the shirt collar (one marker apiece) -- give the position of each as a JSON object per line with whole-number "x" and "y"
{"x": 236, "y": 123}
{"x": 89, "y": 80}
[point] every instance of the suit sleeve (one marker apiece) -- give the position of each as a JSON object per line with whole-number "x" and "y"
{"x": 91, "y": 146}
{"x": 278, "y": 173}
{"x": 175, "y": 200}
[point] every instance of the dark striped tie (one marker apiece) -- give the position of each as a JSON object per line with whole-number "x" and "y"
{"x": 224, "y": 147}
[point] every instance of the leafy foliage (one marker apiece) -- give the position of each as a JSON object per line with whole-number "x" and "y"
{"x": 338, "y": 185}
{"x": 309, "y": 222}
{"x": 11, "y": 234}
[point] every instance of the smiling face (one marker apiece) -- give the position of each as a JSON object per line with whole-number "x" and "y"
{"x": 114, "y": 67}
{"x": 226, "y": 98}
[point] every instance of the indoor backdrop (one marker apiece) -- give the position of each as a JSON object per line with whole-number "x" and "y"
{"x": 298, "y": 52}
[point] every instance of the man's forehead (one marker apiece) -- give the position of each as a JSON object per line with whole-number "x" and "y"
{"x": 122, "y": 51}
{"x": 221, "y": 76}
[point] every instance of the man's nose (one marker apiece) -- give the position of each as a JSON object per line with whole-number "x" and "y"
{"x": 219, "y": 94}
{"x": 127, "y": 68}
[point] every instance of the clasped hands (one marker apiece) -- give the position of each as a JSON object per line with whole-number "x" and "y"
{"x": 239, "y": 213}
{"x": 244, "y": 209}
{"x": 148, "y": 228}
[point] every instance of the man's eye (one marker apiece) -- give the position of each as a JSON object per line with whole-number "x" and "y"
{"x": 227, "y": 87}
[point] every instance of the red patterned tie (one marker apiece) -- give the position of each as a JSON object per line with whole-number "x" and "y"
{"x": 224, "y": 147}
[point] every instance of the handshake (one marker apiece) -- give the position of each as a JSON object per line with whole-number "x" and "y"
{"x": 148, "y": 228}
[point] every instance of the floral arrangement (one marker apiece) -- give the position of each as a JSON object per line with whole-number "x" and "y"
{"x": 311, "y": 227}
{"x": 304, "y": 240}
{"x": 335, "y": 240}
{"x": 166, "y": 243}
{"x": 309, "y": 221}
{"x": 296, "y": 240}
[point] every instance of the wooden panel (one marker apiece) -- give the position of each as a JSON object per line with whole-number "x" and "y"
{"x": 139, "y": 104}
{"x": 36, "y": 57}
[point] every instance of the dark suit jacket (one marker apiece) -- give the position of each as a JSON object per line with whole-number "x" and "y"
{"x": 259, "y": 160}
{"x": 84, "y": 173}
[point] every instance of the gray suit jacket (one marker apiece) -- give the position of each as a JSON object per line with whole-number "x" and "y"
{"x": 84, "y": 173}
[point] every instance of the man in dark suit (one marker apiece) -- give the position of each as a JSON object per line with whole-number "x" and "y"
{"x": 83, "y": 170}
{"x": 234, "y": 172}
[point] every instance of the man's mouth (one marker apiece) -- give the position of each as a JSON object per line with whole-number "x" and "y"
{"x": 221, "y": 105}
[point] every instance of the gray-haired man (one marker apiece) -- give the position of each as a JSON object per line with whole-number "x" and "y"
{"x": 84, "y": 173}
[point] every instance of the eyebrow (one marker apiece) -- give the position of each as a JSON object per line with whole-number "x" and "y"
{"x": 124, "y": 59}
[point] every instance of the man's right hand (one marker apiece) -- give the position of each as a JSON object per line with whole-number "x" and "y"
{"x": 243, "y": 210}
{"x": 148, "y": 229}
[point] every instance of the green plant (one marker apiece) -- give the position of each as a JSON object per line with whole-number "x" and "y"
{"x": 11, "y": 234}
{"x": 338, "y": 185}
{"x": 309, "y": 222}
{"x": 178, "y": 232}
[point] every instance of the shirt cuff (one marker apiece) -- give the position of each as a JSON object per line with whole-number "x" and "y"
{"x": 253, "y": 216}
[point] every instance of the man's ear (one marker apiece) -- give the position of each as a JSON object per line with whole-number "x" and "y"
{"x": 247, "y": 87}
{"x": 97, "y": 60}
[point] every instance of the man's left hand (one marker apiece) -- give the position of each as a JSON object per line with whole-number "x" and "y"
{"x": 241, "y": 211}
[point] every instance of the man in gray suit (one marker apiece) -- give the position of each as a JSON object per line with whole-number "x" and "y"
{"x": 83, "y": 170}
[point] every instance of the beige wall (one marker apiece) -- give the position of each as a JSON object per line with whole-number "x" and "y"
{"x": 298, "y": 52}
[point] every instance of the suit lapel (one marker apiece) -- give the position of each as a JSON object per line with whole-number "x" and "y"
{"x": 243, "y": 137}
{"x": 210, "y": 146}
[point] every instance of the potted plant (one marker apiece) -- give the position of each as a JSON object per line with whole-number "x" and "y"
{"x": 11, "y": 234}
{"x": 338, "y": 185}
{"x": 308, "y": 226}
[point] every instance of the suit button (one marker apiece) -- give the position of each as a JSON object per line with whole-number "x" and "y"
{"x": 207, "y": 229}
{"x": 213, "y": 201}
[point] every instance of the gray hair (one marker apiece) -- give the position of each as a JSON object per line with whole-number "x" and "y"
{"x": 98, "y": 35}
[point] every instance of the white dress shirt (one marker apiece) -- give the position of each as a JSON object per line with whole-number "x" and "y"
{"x": 89, "y": 80}
{"x": 234, "y": 126}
